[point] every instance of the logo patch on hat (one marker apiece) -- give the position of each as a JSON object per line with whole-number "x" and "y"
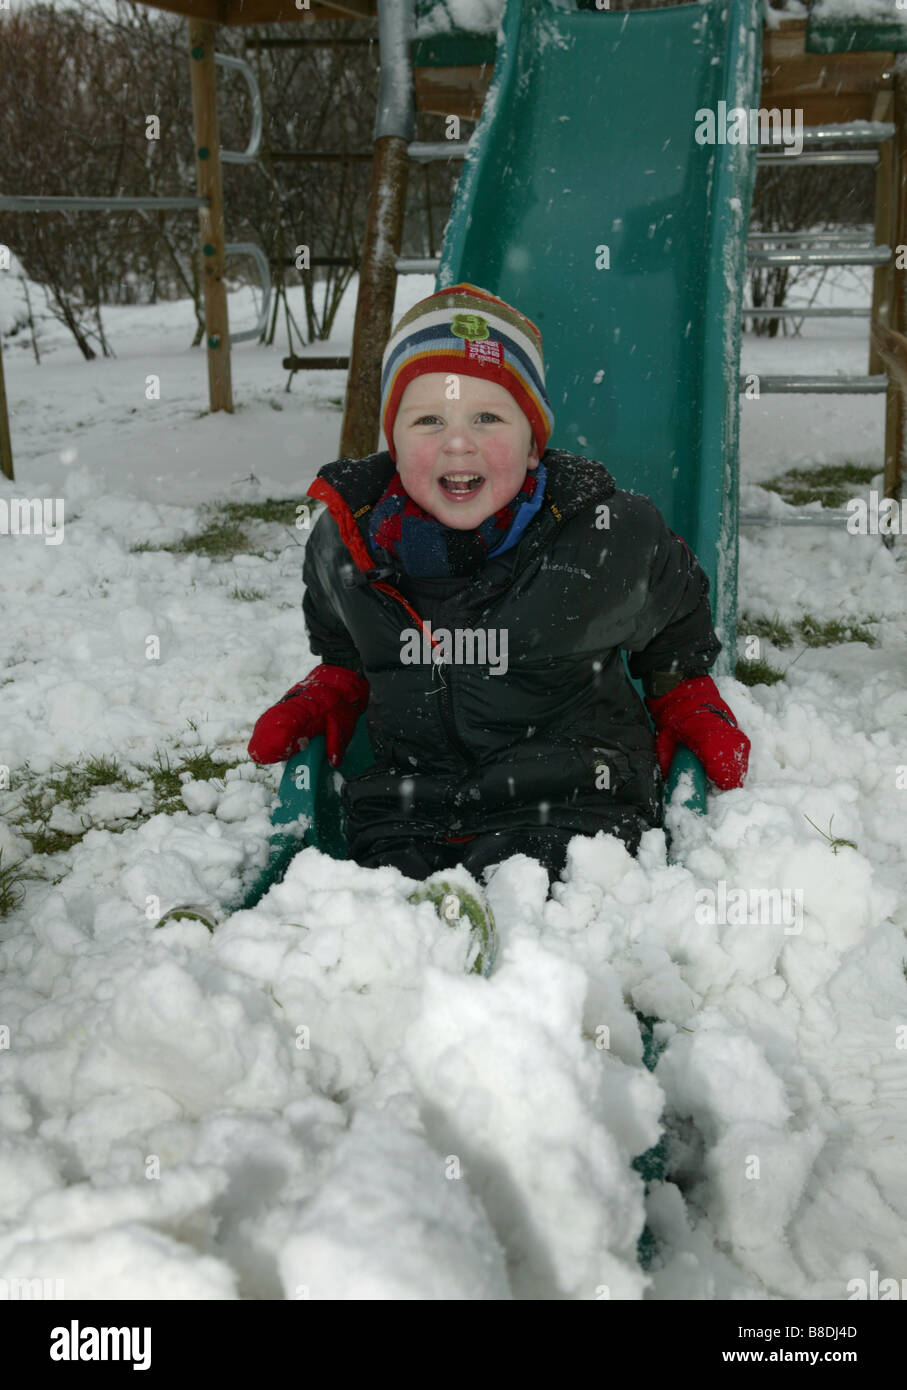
{"x": 469, "y": 326}
{"x": 492, "y": 351}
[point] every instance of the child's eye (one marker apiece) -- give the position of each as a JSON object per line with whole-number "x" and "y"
{"x": 427, "y": 419}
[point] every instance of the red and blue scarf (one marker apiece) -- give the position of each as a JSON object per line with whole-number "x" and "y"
{"x": 427, "y": 549}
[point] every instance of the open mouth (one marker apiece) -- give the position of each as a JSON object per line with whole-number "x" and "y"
{"x": 460, "y": 485}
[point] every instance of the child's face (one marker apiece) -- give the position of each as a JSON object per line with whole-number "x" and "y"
{"x": 462, "y": 460}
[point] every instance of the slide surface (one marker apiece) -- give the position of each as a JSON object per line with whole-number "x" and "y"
{"x": 588, "y": 203}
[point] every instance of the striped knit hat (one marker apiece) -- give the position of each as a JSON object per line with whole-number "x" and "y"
{"x": 467, "y": 331}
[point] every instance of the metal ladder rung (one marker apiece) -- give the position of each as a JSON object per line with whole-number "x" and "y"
{"x": 26, "y": 202}
{"x": 821, "y": 157}
{"x": 808, "y": 238}
{"x": 818, "y": 385}
{"x": 416, "y": 265}
{"x": 807, "y": 312}
{"x": 825, "y": 518}
{"x": 427, "y": 150}
{"x": 424, "y": 152}
{"x": 857, "y": 132}
{"x": 877, "y": 255}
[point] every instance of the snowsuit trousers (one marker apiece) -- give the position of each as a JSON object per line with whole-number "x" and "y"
{"x": 419, "y": 857}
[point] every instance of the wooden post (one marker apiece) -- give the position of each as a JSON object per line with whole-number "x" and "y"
{"x": 882, "y": 276}
{"x": 375, "y": 303}
{"x": 894, "y": 409}
{"x": 211, "y": 219}
{"x": 431, "y": 230}
{"x": 6, "y": 448}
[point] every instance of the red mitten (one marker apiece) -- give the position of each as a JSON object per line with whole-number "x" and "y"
{"x": 329, "y": 701}
{"x": 694, "y": 714}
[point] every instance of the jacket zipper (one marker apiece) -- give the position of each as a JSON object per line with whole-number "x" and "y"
{"x": 447, "y": 719}
{"x": 447, "y": 713}
{"x": 446, "y": 704}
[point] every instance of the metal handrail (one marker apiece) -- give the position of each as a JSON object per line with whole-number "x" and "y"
{"x": 250, "y": 248}
{"x": 246, "y": 156}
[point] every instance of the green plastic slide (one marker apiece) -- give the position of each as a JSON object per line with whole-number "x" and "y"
{"x": 589, "y": 203}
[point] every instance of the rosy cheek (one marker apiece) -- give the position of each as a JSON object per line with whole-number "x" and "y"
{"x": 416, "y": 470}
{"x": 500, "y": 453}
{"x": 420, "y": 457}
{"x": 507, "y": 468}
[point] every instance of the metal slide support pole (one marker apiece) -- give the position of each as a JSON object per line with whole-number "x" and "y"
{"x": 394, "y": 128}
{"x": 211, "y": 218}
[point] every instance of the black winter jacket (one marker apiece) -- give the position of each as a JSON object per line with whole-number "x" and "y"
{"x": 533, "y": 721}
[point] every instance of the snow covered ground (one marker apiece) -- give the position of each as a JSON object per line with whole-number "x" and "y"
{"x": 316, "y": 1101}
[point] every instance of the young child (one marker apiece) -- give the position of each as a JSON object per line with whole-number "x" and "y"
{"x": 473, "y": 590}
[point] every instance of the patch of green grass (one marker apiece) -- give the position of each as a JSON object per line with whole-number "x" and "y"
{"x": 76, "y": 781}
{"x": 281, "y": 510}
{"x": 12, "y": 885}
{"x": 809, "y": 630}
{"x": 31, "y": 818}
{"x": 830, "y": 484}
{"x": 220, "y": 540}
{"x": 756, "y": 673}
{"x": 72, "y": 785}
{"x": 814, "y": 633}
{"x": 248, "y": 595}
{"x": 204, "y": 768}
{"x": 769, "y": 629}
{"x": 165, "y": 782}
{"x": 225, "y": 534}
{"x": 44, "y": 840}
